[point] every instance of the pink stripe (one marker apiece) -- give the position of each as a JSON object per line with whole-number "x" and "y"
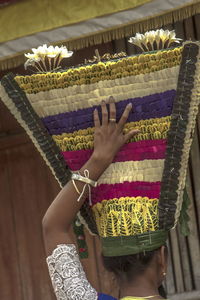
{"x": 149, "y": 149}
{"x": 126, "y": 189}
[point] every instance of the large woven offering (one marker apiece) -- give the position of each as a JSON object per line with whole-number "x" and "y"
{"x": 141, "y": 191}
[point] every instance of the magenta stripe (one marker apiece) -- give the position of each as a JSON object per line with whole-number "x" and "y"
{"x": 126, "y": 189}
{"x": 136, "y": 151}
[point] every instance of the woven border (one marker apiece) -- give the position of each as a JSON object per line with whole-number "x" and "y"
{"x": 182, "y": 110}
{"x": 126, "y": 245}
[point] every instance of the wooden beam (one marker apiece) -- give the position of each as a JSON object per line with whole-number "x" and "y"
{"x": 13, "y": 140}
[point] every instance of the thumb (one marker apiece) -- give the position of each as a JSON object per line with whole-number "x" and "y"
{"x": 130, "y": 134}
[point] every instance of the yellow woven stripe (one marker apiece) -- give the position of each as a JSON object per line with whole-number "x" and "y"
{"x": 135, "y": 65}
{"x": 126, "y": 216}
{"x": 84, "y": 96}
{"x": 144, "y": 170}
{"x": 150, "y": 129}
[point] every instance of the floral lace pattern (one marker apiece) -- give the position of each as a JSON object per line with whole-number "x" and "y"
{"x": 67, "y": 275}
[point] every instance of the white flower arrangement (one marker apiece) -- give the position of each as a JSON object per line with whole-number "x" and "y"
{"x": 45, "y": 59}
{"x": 154, "y": 40}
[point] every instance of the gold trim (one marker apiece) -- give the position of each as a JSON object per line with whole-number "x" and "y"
{"x": 130, "y": 28}
{"x": 114, "y": 33}
{"x": 13, "y": 61}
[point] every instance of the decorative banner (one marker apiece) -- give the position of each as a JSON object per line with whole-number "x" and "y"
{"x": 92, "y": 30}
{"x": 35, "y": 15}
{"x": 6, "y": 2}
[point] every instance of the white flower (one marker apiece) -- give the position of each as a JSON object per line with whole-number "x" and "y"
{"x": 173, "y": 37}
{"x": 40, "y": 51}
{"x": 53, "y": 51}
{"x": 137, "y": 39}
{"x": 65, "y": 53}
{"x": 53, "y": 54}
{"x": 162, "y": 39}
{"x": 149, "y": 38}
{"x": 28, "y": 63}
{"x": 157, "y": 38}
{"x": 33, "y": 63}
{"x": 32, "y": 56}
{"x": 56, "y": 51}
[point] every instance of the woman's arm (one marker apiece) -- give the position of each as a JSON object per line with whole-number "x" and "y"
{"x": 108, "y": 139}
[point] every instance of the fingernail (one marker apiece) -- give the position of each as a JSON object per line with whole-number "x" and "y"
{"x": 111, "y": 99}
{"x": 129, "y": 105}
{"x": 103, "y": 102}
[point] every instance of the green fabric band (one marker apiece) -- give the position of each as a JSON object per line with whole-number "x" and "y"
{"x": 127, "y": 245}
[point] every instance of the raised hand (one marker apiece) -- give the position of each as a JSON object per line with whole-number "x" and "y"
{"x": 108, "y": 135}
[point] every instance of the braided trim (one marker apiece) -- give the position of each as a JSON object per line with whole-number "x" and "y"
{"x": 180, "y": 136}
{"x": 126, "y": 245}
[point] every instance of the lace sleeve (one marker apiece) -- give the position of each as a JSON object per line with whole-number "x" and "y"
{"x": 67, "y": 275}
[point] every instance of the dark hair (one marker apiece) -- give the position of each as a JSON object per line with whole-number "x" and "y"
{"x": 162, "y": 291}
{"x": 128, "y": 266}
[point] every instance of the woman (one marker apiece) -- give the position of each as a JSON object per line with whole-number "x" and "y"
{"x": 138, "y": 275}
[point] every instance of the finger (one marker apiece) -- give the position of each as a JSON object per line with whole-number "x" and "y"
{"x": 112, "y": 108}
{"x": 96, "y": 118}
{"x": 130, "y": 134}
{"x": 104, "y": 113}
{"x": 124, "y": 116}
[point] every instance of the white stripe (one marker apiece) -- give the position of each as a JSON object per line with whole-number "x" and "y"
{"x": 84, "y": 96}
{"x": 89, "y": 27}
{"x": 146, "y": 170}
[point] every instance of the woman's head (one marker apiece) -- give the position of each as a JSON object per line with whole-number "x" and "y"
{"x": 128, "y": 268}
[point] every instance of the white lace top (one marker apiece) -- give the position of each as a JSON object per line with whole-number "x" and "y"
{"x": 67, "y": 275}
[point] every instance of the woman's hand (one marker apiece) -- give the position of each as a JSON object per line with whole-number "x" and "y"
{"x": 108, "y": 135}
